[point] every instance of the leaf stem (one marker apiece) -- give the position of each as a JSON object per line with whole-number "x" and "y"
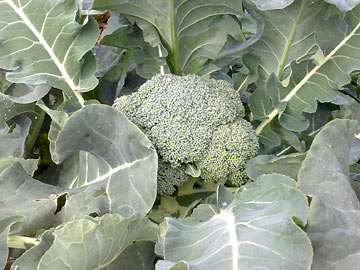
{"x": 30, "y": 140}
{"x": 174, "y": 41}
{"x": 162, "y": 69}
{"x": 21, "y": 242}
{"x": 263, "y": 124}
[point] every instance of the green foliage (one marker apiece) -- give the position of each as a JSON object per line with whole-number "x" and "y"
{"x": 234, "y": 233}
{"x": 198, "y": 38}
{"x": 174, "y": 176}
{"x": 197, "y": 121}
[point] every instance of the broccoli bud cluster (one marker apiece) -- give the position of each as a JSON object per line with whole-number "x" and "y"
{"x": 192, "y": 120}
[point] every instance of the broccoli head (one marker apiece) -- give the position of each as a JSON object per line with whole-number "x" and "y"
{"x": 192, "y": 120}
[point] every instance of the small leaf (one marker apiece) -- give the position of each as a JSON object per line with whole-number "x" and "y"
{"x": 224, "y": 197}
{"x": 192, "y": 170}
{"x": 266, "y": 164}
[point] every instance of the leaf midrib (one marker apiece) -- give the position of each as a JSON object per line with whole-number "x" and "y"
{"x": 174, "y": 40}
{"x": 293, "y": 92}
{"x": 290, "y": 41}
{"x": 48, "y": 49}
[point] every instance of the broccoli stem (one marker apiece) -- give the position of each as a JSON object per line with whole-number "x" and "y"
{"x": 21, "y": 242}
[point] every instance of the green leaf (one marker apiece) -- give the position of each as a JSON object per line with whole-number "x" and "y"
{"x": 271, "y": 4}
{"x": 29, "y": 165}
{"x": 12, "y": 142}
{"x": 318, "y": 80}
{"x": 260, "y": 104}
{"x": 147, "y": 59}
{"x": 5, "y": 224}
{"x": 255, "y": 231}
{"x": 269, "y": 137}
{"x": 84, "y": 243}
{"x": 192, "y": 170}
{"x": 38, "y": 200}
{"x": 291, "y": 138}
{"x": 282, "y": 43}
{"x": 344, "y": 5}
{"x": 192, "y": 33}
{"x": 334, "y": 211}
{"x": 9, "y": 109}
{"x": 138, "y": 256}
{"x": 106, "y": 58}
{"x": 318, "y": 119}
{"x": 26, "y": 93}
{"x": 119, "y": 173}
{"x": 288, "y": 165}
{"x": 123, "y": 157}
{"x": 242, "y": 81}
{"x": 44, "y": 44}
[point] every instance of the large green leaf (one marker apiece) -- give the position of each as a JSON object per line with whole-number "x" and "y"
{"x": 116, "y": 169}
{"x": 125, "y": 161}
{"x": 193, "y": 32}
{"x": 89, "y": 244}
{"x": 109, "y": 151}
{"x": 254, "y": 229}
{"x": 317, "y": 80}
{"x": 42, "y": 43}
{"x": 334, "y": 217}
{"x": 281, "y": 43}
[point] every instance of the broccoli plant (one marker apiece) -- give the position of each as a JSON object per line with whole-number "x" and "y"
{"x": 193, "y": 123}
{"x": 181, "y": 173}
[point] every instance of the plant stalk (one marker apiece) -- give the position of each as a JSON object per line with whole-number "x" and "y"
{"x": 21, "y": 242}
{"x": 30, "y": 141}
{"x": 174, "y": 41}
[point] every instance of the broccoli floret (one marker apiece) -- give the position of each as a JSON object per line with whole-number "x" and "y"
{"x": 192, "y": 120}
{"x": 231, "y": 146}
{"x": 169, "y": 177}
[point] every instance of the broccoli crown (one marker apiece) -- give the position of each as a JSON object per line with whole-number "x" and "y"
{"x": 169, "y": 177}
{"x": 186, "y": 116}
